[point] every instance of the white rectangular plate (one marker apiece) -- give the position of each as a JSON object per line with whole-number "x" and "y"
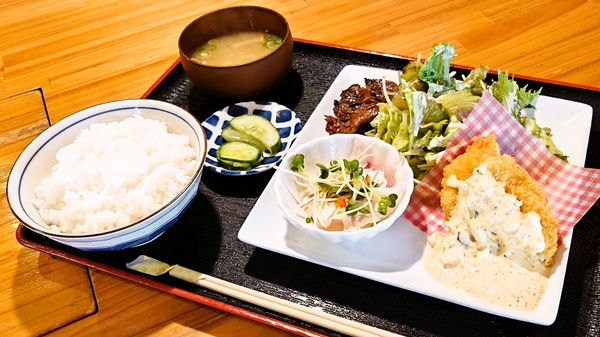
{"x": 395, "y": 257}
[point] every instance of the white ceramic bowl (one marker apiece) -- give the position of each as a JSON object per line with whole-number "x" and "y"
{"x": 340, "y": 146}
{"x": 37, "y": 159}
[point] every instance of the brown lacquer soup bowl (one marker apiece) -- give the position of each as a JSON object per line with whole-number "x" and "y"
{"x": 236, "y": 80}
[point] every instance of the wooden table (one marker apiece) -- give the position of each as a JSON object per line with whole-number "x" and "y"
{"x": 60, "y": 56}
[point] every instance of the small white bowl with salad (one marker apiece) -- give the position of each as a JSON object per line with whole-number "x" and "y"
{"x": 343, "y": 187}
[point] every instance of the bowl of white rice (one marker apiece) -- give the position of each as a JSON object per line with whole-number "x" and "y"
{"x": 110, "y": 177}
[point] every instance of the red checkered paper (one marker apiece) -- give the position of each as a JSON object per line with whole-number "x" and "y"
{"x": 571, "y": 190}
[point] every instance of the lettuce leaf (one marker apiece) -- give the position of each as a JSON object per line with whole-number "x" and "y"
{"x": 526, "y": 97}
{"x": 441, "y": 141}
{"x": 436, "y": 68}
{"x": 530, "y": 124}
{"x": 402, "y": 140}
{"x": 474, "y": 82}
{"x": 504, "y": 90}
{"x": 458, "y": 103}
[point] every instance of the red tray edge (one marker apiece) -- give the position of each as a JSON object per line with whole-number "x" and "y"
{"x": 162, "y": 287}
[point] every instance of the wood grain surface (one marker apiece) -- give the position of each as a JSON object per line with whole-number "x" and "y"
{"x": 81, "y": 53}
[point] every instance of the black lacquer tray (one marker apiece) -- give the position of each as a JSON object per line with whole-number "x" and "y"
{"x": 205, "y": 238}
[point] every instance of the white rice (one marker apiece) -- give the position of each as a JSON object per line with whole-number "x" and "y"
{"x": 114, "y": 174}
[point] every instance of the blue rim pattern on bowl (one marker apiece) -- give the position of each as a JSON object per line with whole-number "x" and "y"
{"x": 285, "y": 120}
{"x": 23, "y": 175}
{"x": 76, "y": 122}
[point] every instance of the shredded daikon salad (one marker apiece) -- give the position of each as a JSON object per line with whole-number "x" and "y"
{"x": 346, "y": 195}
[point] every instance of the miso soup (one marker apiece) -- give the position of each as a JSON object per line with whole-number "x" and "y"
{"x": 235, "y": 49}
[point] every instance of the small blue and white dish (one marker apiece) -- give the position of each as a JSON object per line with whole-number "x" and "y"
{"x": 285, "y": 120}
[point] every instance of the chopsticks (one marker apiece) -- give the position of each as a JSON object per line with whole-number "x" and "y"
{"x": 154, "y": 267}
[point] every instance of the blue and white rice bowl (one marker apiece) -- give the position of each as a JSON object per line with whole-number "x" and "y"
{"x": 37, "y": 160}
{"x": 285, "y": 120}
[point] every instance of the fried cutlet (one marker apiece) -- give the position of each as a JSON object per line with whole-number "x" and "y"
{"x": 516, "y": 182}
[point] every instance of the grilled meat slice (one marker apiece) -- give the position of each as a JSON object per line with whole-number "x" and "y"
{"x": 356, "y": 95}
{"x": 357, "y": 118}
{"x": 357, "y": 106}
{"x": 375, "y": 87}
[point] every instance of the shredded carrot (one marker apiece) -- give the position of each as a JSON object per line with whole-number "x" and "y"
{"x": 340, "y": 202}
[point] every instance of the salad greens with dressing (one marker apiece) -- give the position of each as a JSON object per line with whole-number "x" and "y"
{"x": 431, "y": 104}
{"x": 342, "y": 190}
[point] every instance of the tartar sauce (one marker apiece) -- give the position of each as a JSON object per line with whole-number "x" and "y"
{"x": 491, "y": 250}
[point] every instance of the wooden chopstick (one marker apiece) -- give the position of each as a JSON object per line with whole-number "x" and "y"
{"x": 154, "y": 267}
{"x": 291, "y": 309}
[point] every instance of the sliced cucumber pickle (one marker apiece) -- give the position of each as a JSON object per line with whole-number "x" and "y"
{"x": 232, "y": 135}
{"x": 259, "y": 128}
{"x": 238, "y": 155}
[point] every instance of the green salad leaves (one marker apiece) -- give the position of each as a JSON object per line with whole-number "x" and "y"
{"x": 431, "y": 104}
{"x": 344, "y": 184}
